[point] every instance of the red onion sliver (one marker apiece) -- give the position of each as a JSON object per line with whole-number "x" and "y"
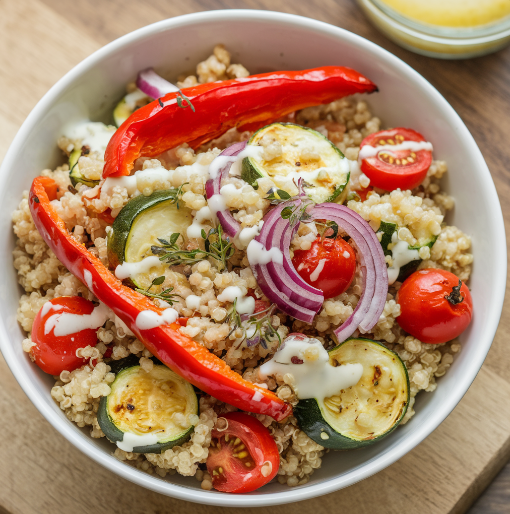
{"x": 283, "y": 286}
{"x": 153, "y": 85}
{"x": 218, "y": 170}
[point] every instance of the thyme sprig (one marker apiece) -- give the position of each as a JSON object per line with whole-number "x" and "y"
{"x": 182, "y": 101}
{"x": 166, "y": 295}
{"x": 294, "y": 212}
{"x": 256, "y": 328}
{"x": 217, "y": 245}
{"x": 176, "y": 194}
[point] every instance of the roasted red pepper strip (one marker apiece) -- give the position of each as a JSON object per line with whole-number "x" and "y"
{"x": 248, "y": 103}
{"x": 186, "y": 357}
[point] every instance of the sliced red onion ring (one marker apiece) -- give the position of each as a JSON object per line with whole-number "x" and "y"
{"x": 373, "y": 267}
{"x": 218, "y": 170}
{"x": 283, "y": 286}
{"x": 280, "y": 282}
{"x": 153, "y": 85}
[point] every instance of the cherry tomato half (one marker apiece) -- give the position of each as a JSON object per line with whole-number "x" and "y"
{"x": 393, "y": 169}
{"x": 56, "y": 354}
{"x": 329, "y": 265}
{"x": 435, "y": 306}
{"x": 244, "y": 456}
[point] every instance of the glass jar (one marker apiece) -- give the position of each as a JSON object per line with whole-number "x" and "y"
{"x": 447, "y": 29}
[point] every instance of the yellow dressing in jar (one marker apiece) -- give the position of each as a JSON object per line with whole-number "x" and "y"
{"x": 449, "y": 29}
{"x": 452, "y": 13}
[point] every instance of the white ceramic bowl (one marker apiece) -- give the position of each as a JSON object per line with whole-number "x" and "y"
{"x": 265, "y": 41}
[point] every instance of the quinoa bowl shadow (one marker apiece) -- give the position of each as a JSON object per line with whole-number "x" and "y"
{"x": 266, "y": 41}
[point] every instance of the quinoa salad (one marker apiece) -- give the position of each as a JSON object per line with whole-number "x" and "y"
{"x": 241, "y": 273}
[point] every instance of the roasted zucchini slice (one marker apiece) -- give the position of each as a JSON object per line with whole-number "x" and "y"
{"x": 148, "y": 412}
{"x": 138, "y": 226}
{"x": 389, "y": 237}
{"x": 74, "y": 170}
{"x": 306, "y": 154}
{"x": 128, "y": 105}
{"x": 89, "y": 137}
{"x": 364, "y": 413}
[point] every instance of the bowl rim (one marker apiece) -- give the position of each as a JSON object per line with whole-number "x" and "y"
{"x": 84, "y": 443}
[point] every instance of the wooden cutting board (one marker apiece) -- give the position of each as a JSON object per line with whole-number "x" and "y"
{"x": 41, "y": 472}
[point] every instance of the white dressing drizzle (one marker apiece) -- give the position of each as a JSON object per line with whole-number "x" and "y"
{"x": 130, "y": 441}
{"x": 314, "y": 377}
{"x": 47, "y": 307}
{"x": 123, "y": 182}
{"x": 317, "y": 271}
{"x": 65, "y": 323}
{"x": 195, "y": 229}
{"x": 247, "y": 234}
{"x": 218, "y": 202}
{"x": 222, "y": 160}
{"x": 401, "y": 255}
{"x": 153, "y": 175}
{"x": 95, "y": 135}
{"x": 414, "y": 146}
{"x": 87, "y": 275}
{"x": 193, "y": 302}
{"x": 150, "y": 319}
{"x": 244, "y": 304}
{"x": 131, "y": 269}
{"x": 257, "y": 254}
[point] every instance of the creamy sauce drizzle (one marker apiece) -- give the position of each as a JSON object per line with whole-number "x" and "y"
{"x": 150, "y": 319}
{"x": 244, "y": 304}
{"x": 314, "y": 377}
{"x": 66, "y": 323}
{"x": 130, "y": 441}
{"x": 87, "y": 275}
{"x": 414, "y": 146}
{"x": 235, "y": 170}
{"x": 47, "y": 307}
{"x": 195, "y": 229}
{"x": 95, "y": 135}
{"x": 131, "y": 269}
{"x": 257, "y": 254}
{"x": 317, "y": 271}
{"x": 193, "y": 302}
{"x": 247, "y": 234}
{"x": 151, "y": 175}
{"x": 401, "y": 255}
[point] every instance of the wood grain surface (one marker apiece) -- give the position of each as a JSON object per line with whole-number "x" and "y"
{"x": 40, "y": 472}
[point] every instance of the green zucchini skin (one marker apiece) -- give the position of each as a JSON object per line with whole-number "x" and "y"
{"x": 122, "y": 225}
{"x": 114, "y": 434}
{"x": 74, "y": 170}
{"x": 311, "y": 420}
{"x": 388, "y": 230}
{"x": 250, "y": 172}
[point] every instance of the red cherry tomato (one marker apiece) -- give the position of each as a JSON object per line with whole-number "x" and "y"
{"x": 329, "y": 265}
{"x": 363, "y": 193}
{"x": 56, "y": 354}
{"x": 390, "y": 169}
{"x": 434, "y": 309}
{"x": 244, "y": 456}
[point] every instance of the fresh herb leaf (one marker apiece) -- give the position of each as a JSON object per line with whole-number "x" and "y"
{"x": 166, "y": 295}
{"x": 287, "y": 213}
{"x": 257, "y": 328}
{"x": 217, "y": 245}
{"x": 334, "y": 226}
